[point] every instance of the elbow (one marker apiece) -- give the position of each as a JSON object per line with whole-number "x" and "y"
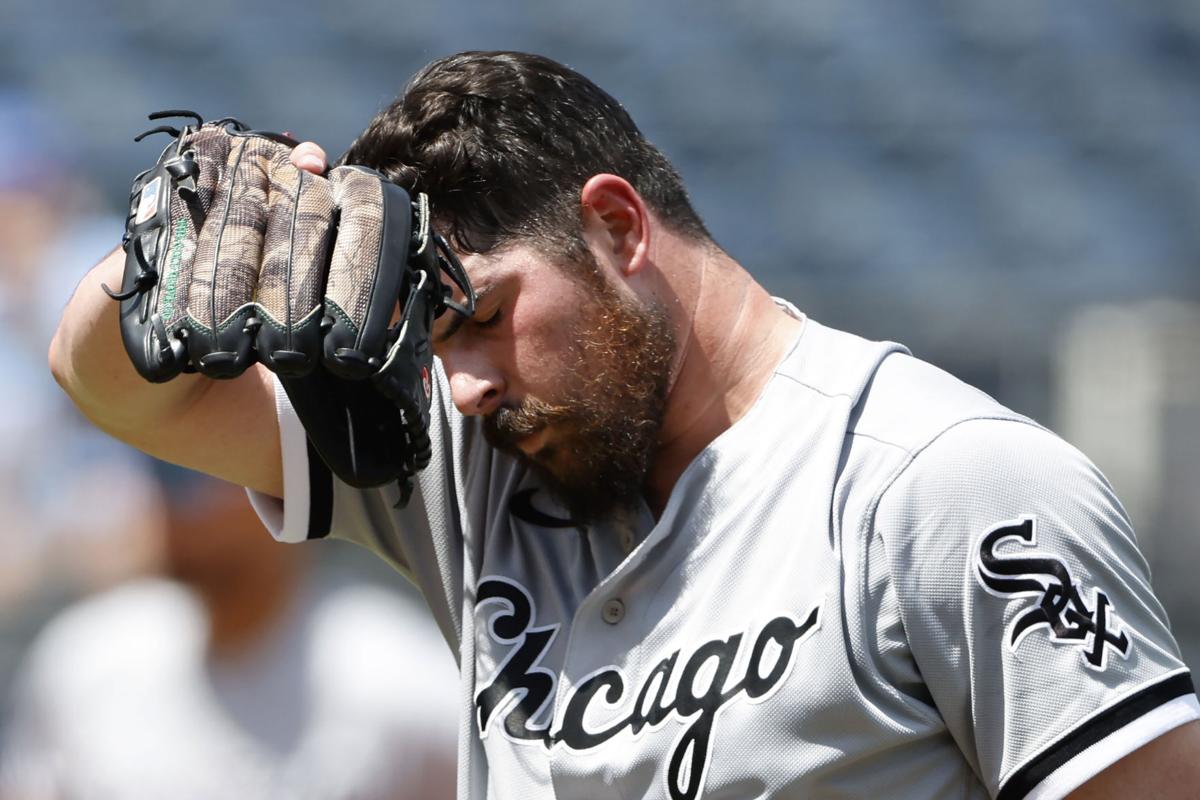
{"x": 86, "y": 355}
{"x": 59, "y": 361}
{"x": 62, "y": 361}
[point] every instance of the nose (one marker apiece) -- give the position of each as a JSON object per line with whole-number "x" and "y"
{"x": 475, "y": 387}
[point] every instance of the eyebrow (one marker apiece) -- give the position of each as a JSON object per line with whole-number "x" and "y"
{"x": 457, "y": 320}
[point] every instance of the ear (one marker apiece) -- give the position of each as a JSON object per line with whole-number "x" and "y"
{"x": 616, "y": 224}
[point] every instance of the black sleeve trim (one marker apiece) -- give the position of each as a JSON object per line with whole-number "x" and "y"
{"x": 1046, "y": 763}
{"x": 320, "y": 495}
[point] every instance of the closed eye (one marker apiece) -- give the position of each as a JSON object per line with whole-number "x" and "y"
{"x": 491, "y": 321}
{"x": 456, "y": 320}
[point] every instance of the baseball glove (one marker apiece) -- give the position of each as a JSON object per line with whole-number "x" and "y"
{"x": 234, "y": 256}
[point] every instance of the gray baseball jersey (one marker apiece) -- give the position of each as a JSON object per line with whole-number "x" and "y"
{"x": 877, "y": 583}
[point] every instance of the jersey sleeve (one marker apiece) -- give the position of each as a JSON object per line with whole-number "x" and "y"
{"x": 1028, "y": 608}
{"x": 426, "y": 540}
{"x": 304, "y": 479}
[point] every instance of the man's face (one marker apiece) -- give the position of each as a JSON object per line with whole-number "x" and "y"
{"x": 569, "y": 373}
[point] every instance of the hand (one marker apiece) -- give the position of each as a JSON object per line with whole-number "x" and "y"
{"x": 310, "y": 157}
{"x": 242, "y": 248}
{"x": 245, "y": 248}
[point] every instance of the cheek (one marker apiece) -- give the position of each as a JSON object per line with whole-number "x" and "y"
{"x": 544, "y": 347}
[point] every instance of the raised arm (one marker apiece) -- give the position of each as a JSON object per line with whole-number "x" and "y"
{"x": 298, "y": 271}
{"x": 226, "y": 428}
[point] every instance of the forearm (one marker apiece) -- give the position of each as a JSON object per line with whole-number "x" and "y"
{"x": 225, "y": 428}
{"x": 89, "y": 361}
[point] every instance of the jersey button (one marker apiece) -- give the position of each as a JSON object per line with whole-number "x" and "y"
{"x": 613, "y": 611}
{"x": 627, "y": 540}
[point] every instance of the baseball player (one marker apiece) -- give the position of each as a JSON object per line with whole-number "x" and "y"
{"x": 685, "y": 541}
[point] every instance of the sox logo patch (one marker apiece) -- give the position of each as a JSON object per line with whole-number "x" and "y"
{"x": 686, "y": 687}
{"x": 1060, "y": 605}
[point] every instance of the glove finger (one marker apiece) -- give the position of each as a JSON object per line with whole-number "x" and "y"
{"x": 167, "y": 208}
{"x": 209, "y": 148}
{"x": 366, "y": 271}
{"x": 228, "y": 254}
{"x": 291, "y": 285}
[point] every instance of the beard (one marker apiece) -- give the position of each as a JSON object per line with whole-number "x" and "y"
{"x": 604, "y": 427}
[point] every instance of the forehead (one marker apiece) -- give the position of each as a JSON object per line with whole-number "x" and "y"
{"x": 512, "y": 266}
{"x": 497, "y": 277}
{"x": 483, "y": 271}
{"x": 517, "y": 281}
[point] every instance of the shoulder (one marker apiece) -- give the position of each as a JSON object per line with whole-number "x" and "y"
{"x": 1016, "y": 573}
{"x": 912, "y": 421}
{"x": 990, "y": 498}
{"x": 981, "y": 475}
{"x": 943, "y": 463}
{"x": 894, "y": 398}
{"x": 909, "y": 403}
{"x": 995, "y": 466}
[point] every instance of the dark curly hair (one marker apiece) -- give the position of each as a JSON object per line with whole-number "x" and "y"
{"x": 502, "y": 143}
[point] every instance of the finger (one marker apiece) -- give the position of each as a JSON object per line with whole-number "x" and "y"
{"x": 291, "y": 285}
{"x": 366, "y": 269}
{"x": 310, "y": 157}
{"x": 227, "y": 263}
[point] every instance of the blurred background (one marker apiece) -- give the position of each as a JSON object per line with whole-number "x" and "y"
{"x": 1012, "y": 189}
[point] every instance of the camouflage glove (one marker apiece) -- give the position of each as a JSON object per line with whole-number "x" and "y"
{"x": 234, "y": 256}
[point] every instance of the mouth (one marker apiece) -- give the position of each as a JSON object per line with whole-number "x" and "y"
{"x": 532, "y": 444}
{"x": 526, "y": 429}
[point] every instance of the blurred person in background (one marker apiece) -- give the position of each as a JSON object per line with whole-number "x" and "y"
{"x": 238, "y": 673}
{"x": 65, "y": 532}
{"x": 52, "y": 464}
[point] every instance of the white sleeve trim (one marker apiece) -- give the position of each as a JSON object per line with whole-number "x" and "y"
{"x": 287, "y": 519}
{"x": 1118, "y": 744}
